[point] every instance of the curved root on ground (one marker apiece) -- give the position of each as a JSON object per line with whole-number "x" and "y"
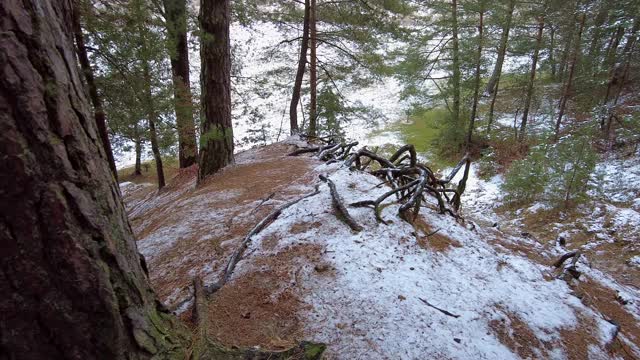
{"x": 410, "y": 181}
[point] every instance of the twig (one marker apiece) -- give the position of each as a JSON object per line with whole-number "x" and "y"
{"x": 437, "y": 308}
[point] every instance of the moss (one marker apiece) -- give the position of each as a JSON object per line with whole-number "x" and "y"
{"x": 216, "y": 134}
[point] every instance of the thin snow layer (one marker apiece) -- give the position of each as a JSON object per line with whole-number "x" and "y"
{"x": 372, "y": 309}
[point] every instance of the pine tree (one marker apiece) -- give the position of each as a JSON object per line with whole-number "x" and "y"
{"x": 216, "y": 139}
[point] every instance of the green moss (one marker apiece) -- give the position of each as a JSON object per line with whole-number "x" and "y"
{"x": 216, "y": 134}
{"x": 423, "y": 129}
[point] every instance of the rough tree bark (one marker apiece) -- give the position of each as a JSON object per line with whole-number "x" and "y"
{"x": 313, "y": 71}
{"x": 532, "y": 78}
{"x": 216, "y": 139}
{"x": 502, "y": 51}
{"x": 567, "y": 89}
{"x": 70, "y": 276}
{"x": 456, "y": 76}
{"x": 96, "y": 101}
{"x": 476, "y": 90}
{"x": 176, "y": 23}
{"x": 302, "y": 63}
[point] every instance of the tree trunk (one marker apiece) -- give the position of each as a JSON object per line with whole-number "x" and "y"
{"x": 567, "y": 88}
{"x": 313, "y": 71}
{"x": 566, "y": 53}
{"x": 152, "y": 116}
{"x": 504, "y": 40}
{"x": 476, "y": 90}
{"x": 98, "y": 110}
{"x": 532, "y": 78}
{"x": 612, "y": 48}
{"x": 552, "y": 49}
{"x": 456, "y": 76}
{"x": 302, "y": 63}
{"x": 138, "y": 168}
{"x": 176, "y": 21}
{"x": 216, "y": 139}
{"x": 617, "y": 77}
{"x": 594, "y": 48}
{"x": 631, "y": 40}
{"x": 70, "y": 276}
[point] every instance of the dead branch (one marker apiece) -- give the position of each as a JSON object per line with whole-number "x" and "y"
{"x": 339, "y": 207}
{"x": 437, "y": 308}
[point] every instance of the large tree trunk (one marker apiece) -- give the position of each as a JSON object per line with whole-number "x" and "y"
{"x": 476, "y": 90}
{"x": 96, "y": 101}
{"x": 176, "y": 21}
{"x": 567, "y": 88}
{"x": 302, "y": 63}
{"x": 70, "y": 276}
{"x": 456, "y": 75}
{"x": 532, "y": 78}
{"x": 502, "y": 51}
{"x": 216, "y": 139}
{"x": 313, "y": 71}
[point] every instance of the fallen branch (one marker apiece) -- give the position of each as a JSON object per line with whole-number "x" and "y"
{"x": 200, "y": 308}
{"x": 339, "y": 207}
{"x": 437, "y": 308}
{"x": 237, "y": 255}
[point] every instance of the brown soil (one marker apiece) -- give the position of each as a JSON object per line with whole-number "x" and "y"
{"x": 436, "y": 241}
{"x": 252, "y": 181}
{"x": 604, "y": 300}
{"x": 514, "y": 333}
{"x": 261, "y": 308}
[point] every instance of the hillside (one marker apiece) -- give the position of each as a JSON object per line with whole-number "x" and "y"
{"x": 438, "y": 288}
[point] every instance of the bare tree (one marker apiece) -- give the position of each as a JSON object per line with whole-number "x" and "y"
{"x": 302, "y": 63}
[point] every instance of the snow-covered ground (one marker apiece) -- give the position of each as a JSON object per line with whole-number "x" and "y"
{"x": 373, "y": 308}
{"x": 369, "y": 301}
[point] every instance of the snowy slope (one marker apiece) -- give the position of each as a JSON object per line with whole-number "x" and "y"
{"x": 365, "y": 294}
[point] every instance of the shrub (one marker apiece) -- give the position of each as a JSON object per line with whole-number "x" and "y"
{"x": 557, "y": 174}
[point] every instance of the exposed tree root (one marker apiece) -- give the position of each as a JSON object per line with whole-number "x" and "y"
{"x": 339, "y": 207}
{"x": 410, "y": 181}
{"x": 237, "y": 255}
{"x": 563, "y": 258}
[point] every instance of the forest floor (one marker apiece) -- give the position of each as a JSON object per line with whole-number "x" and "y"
{"x": 308, "y": 276}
